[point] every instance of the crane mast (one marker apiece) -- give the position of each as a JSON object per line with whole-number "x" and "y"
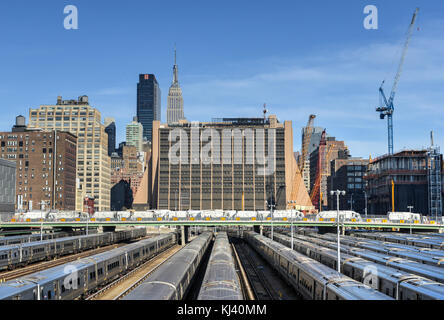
{"x": 387, "y": 108}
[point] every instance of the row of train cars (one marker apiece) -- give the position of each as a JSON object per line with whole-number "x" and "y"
{"x": 310, "y": 269}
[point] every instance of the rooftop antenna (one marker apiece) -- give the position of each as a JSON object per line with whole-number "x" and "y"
{"x": 265, "y": 112}
{"x": 431, "y": 138}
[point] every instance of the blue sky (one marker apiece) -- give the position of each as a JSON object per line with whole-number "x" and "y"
{"x": 299, "y": 57}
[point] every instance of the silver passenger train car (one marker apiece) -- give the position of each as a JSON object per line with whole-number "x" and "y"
{"x": 310, "y": 278}
{"x": 171, "y": 281}
{"x": 221, "y": 281}
{"x": 395, "y": 283}
{"x": 78, "y": 278}
{"x": 13, "y": 256}
{"x": 434, "y": 273}
{"x": 8, "y": 240}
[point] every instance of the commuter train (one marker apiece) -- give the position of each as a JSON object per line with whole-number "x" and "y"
{"x": 16, "y": 255}
{"x": 310, "y": 278}
{"x": 433, "y": 257}
{"x": 171, "y": 281}
{"x": 79, "y": 278}
{"x": 395, "y": 283}
{"x": 36, "y": 237}
{"x": 431, "y": 272}
{"x": 221, "y": 281}
{"x": 421, "y": 241}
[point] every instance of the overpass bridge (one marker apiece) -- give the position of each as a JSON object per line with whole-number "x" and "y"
{"x": 109, "y": 223}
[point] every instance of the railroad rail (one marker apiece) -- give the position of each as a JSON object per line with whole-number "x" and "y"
{"x": 261, "y": 288}
{"x": 125, "y": 284}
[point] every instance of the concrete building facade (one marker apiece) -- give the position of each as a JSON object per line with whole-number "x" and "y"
{"x": 236, "y": 175}
{"x": 93, "y": 163}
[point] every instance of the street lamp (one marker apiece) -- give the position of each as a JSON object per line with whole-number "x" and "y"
{"x": 338, "y": 193}
{"x": 291, "y": 202}
{"x": 365, "y": 196}
{"x": 43, "y": 202}
{"x": 271, "y": 212}
{"x": 411, "y": 217}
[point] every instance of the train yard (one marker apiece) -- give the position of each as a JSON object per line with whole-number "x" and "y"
{"x": 223, "y": 263}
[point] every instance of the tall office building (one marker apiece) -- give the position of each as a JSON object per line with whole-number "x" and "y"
{"x": 93, "y": 162}
{"x": 175, "y": 100}
{"x": 251, "y": 162}
{"x": 110, "y": 129}
{"x": 148, "y": 103}
{"x": 134, "y": 134}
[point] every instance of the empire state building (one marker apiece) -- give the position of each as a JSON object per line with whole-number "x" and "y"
{"x": 175, "y": 100}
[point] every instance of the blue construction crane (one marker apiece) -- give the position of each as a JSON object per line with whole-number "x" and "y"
{"x": 387, "y": 108}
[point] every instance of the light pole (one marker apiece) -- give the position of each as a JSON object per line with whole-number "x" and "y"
{"x": 365, "y": 196}
{"x": 351, "y": 202}
{"x": 43, "y": 202}
{"x": 291, "y": 202}
{"x": 271, "y": 212}
{"x": 410, "y": 218}
{"x": 338, "y": 193}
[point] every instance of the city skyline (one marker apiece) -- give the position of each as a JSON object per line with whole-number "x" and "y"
{"x": 295, "y": 76}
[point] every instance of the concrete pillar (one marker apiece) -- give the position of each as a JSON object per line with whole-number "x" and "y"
{"x": 261, "y": 230}
{"x": 182, "y": 236}
{"x": 187, "y": 234}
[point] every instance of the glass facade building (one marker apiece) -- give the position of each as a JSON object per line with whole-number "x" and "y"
{"x": 148, "y": 103}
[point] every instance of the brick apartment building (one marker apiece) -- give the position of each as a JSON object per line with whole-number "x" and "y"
{"x": 45, "y": 166}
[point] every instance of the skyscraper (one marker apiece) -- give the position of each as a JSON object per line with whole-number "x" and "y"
{"x": 134, "y": 134}
{"x": 148, "y": 103}
{"x": 110, "y": 129}
{"x": 175, "y": 100}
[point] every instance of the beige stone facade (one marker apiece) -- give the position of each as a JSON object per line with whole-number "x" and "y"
{"x": 93, "y": 162}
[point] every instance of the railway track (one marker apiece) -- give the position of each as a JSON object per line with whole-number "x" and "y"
{"x": 259, "y": 284}
{"x": 39, "y": 266}
{"x": 125, "y": 284}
